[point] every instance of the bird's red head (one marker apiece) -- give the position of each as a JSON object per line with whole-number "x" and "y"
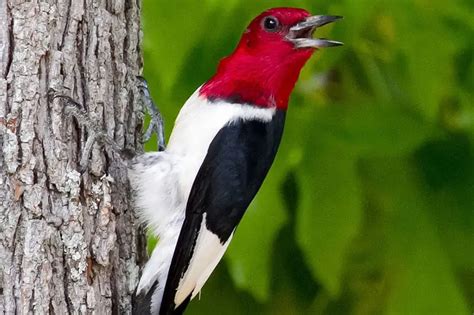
{"x": 265, "y": 66}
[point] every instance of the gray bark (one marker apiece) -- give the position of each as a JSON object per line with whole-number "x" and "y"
{"x": 69, "y": 242}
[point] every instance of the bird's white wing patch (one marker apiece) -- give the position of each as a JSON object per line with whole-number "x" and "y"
{"x": 207, "y": 254}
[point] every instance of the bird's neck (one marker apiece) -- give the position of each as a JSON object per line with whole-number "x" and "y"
{"x": 263, "y": 82}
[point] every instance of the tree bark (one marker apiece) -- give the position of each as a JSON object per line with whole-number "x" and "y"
{"x": 69, "y": 241}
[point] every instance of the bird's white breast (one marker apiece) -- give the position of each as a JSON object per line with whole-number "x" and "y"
{"x": 196, "y": 126}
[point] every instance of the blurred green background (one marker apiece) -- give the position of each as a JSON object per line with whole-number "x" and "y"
{"x": 369, "y": 206}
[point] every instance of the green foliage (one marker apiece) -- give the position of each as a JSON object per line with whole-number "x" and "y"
{"x": 329, "y": 214}
{"x": 369, "y": 207}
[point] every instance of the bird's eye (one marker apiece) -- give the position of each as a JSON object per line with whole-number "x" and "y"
{"x": 271, "y": 24}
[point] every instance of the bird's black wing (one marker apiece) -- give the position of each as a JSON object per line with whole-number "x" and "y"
{"x": 233, "y": 170}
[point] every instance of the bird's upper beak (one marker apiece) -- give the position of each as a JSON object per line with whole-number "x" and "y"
{"x": 301, "y": 34}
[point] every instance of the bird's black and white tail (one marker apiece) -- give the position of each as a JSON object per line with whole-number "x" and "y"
{"x": 141, "y": 302}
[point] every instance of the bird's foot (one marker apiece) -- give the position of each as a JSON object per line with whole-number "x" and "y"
{"x": 156, "y": 124}
{"x": 95, "y": 134}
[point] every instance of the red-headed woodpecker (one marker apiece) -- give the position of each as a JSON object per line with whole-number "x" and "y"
{"x": 194, "y": 194}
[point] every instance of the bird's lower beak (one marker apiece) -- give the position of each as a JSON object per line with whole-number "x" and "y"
{"x": 301, "y": 35}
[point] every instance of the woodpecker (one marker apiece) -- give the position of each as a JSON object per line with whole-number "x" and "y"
{"x": 193, "y": 194}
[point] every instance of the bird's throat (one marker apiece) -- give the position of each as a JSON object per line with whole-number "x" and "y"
{"x": 264, "y": 82}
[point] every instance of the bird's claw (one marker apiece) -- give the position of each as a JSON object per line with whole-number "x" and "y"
{"x": 95, "y": 134}
{"x": 156, "y": 124}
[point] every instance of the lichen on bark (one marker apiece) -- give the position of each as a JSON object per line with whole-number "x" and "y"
{"x": 69, "y": 241}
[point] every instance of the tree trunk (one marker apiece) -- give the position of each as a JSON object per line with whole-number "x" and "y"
{"x": 69, "y": 241}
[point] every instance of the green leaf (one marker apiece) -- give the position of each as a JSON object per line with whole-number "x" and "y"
{"x": 173, "y": 28}
{"x": 372, "y": 129}
{"x": 330, "y": 212}
{"x": 447, "y": 172}
{"x": 422, "y": 277}
{"x": 151, "y": 242}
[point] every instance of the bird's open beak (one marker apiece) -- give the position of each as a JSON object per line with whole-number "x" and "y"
{"x": 301, "y": 35}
